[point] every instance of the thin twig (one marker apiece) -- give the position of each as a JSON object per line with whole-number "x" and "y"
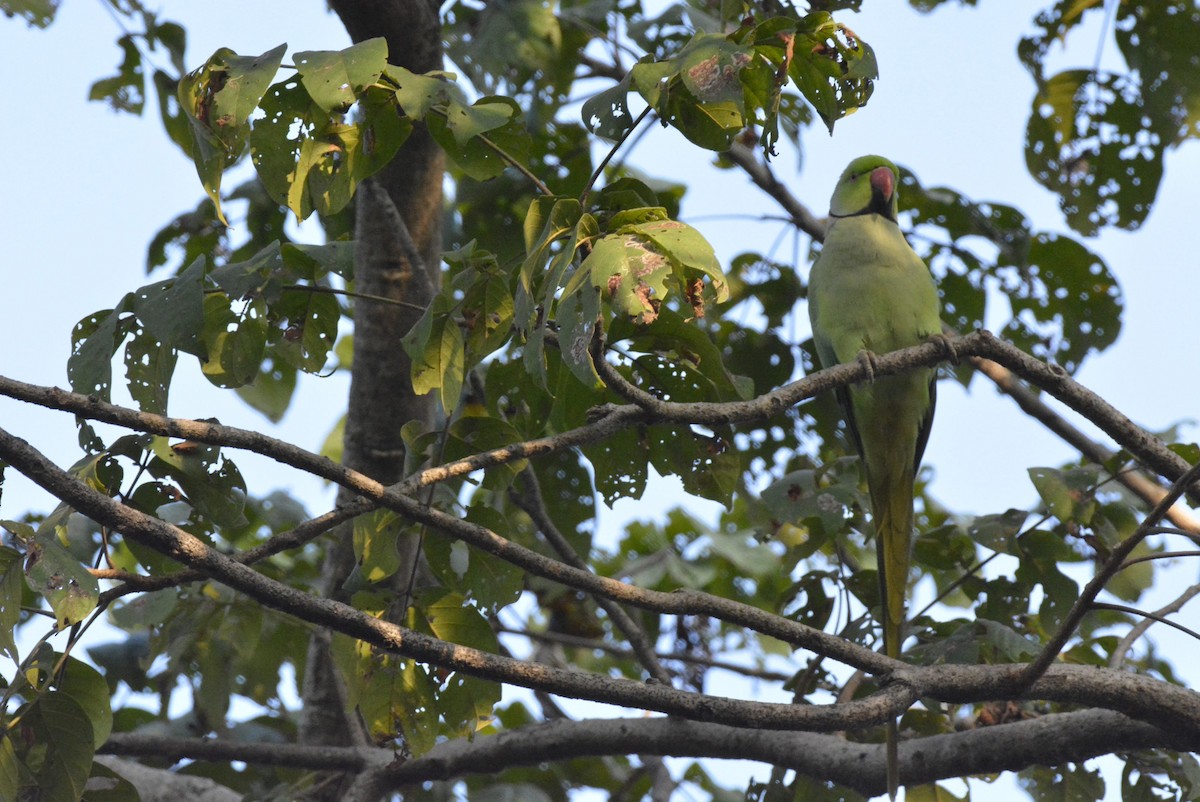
{"x": 351, "y": 294}
{"x": 1107, "y": 571}
{"x": 1148, "y": 619}
{"x": 533, "y": 503}
{"x": 1166, "y": 555}
{"x": 587, "y": 189}
{"x": 1155, "y": 617}
{"x": 623, "y": 651}
{"x": 764, "y": 177}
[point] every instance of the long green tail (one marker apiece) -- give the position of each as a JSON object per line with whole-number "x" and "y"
{"x": 892, "y": 504}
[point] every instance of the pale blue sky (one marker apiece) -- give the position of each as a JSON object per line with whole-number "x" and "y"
{"x": 85, "y": 189}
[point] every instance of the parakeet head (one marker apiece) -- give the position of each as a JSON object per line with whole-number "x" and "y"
{"x": 867, "y": 186}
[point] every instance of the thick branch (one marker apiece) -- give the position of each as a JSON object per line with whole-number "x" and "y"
{"x": 1043, "y": 741}
{"x": 189, "y": 550}
{"x": 315, "y": 758}
{"x": 1047, "y": 740}
{"x": 160, "y": 785}
{"x": 1144, "y": 446}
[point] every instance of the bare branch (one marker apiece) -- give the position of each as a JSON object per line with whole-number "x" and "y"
{"x": 764, "y": 177}
{"x": 160, "y": 785}
{"x": 593, "y": 644}
{"x": 1171, "y": 708}
{"x": 1139, "y": 629}
{"x": 264, "y": 754}
{"x": 1033, "y": 406}
{"x": 303, "y": 533}
{"x": 1144, "y": 446}
{"x": 1046, "y": 740}
{"x": 191, "y": 551}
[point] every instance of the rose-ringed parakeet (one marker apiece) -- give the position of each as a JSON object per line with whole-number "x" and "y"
{"x": 869, "y": 293}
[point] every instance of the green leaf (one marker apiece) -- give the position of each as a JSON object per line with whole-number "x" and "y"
{"x": 37, "y": 13}
{"x": 690, "y": 253}
{"x": 173, "y": 310}
{"x": 393, "y": 696}
{"x": 376, "y": 538}
{"x": 1073, "y": 299}
{"x": 64, "y": 727}
{"x": 931, "y": 793}
{"x": 94, "y": 340}
{"x": 11, "y": 581}
{"x": 438, "y": 353}
{"x": 1068, "y": 495}
{"x": 418, "y": 94}
{"x": 547, "y": 220}
{"x": 86, "y": 686}
{"x": 275, "y": 140}
{"x": 606, "y": 114}
{"x": 489, "y": 581}
{"x": 483, "y": 155}
{"x": 211, "y": 484}
{"x": 271, "y": 391}
{"x": 488, "y": 312}
{"x": 832, "y": 68}
{"x": 53, "y": 572}
{"x": 630, "y": 275}
{"x": 124, "y": 91}
{"x": 312, "y": 328}
{"x": 451, "y": 618}
{"x": 620, "y": 465}
{"x": 1068, "y": 783}
{"x": 335, "y": 79}
{"x": 149, "y": 365}
{"x": 105, "y": 785}
{"x": 577, "y": 318}
{"x": 10, "y": 765}
{"x": 710, "y": 65}
{"x": 807, "y": 496}
{"x": 1091, "y": 140}
{"x": 514, "y": 39}
{"x": 218, "y": 99}
{"x": 468, "y": 122}
{"x": 235, "y": 342}
{"x": 997, "y": 532}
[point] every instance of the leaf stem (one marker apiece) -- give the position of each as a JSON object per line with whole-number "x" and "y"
{"x": 608, "y": 156}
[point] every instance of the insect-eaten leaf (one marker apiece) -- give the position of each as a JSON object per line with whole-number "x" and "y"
{"x": 218, "y": 99}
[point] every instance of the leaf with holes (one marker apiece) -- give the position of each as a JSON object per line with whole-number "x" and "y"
{"x": 335, "y": 79}
{"x": 51, "y": 571}
{"x": 173, "y": 310}
{"x": 94, "y": 340}
{"x": 218, "y": 99}
{"x": 1087, "y": 141}
{"x": 235, "y": 341}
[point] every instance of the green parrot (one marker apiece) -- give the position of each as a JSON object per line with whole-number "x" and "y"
{"x": 869, "y": 293}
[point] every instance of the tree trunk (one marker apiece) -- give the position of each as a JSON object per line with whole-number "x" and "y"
{"x": 398, "y": 223}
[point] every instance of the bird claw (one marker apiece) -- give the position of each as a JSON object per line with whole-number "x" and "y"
{"x": 947, "y": 345}
{"x": 867, "y": 360}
